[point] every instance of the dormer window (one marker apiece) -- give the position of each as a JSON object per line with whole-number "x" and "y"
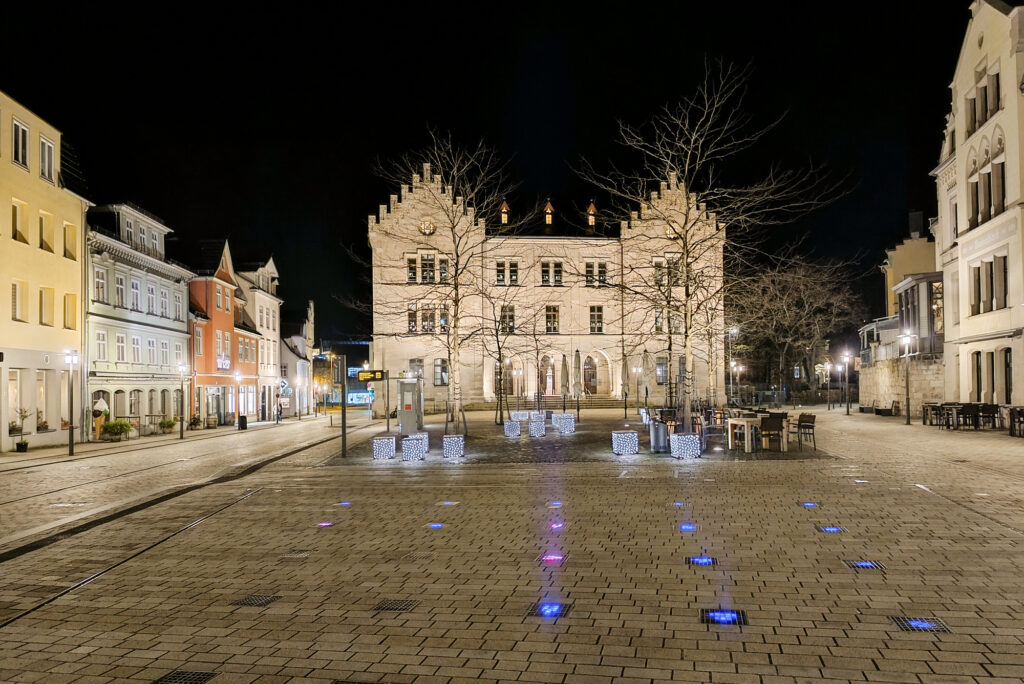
{"x": 504, "y": 213}
{"x": 549, "y": 213}
{"x": 591, "y": 214}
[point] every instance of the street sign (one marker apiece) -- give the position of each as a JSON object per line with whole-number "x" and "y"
{"x": 369, "y": 375}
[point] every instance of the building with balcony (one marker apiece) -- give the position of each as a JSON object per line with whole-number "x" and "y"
{"x": 225, "y": 341}
{"x": 136, "y": 330}
{"x": 41, "y": 258}
{"x": 979, "y": 183}
{"x": 258, "y": 281}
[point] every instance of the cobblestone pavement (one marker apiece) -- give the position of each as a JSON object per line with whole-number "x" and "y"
{"x": 941, "y": 512}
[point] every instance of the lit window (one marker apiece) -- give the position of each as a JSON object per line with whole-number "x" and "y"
{"x": 551, "y": 319}
{"x": 440, "y": 372}
{"x": 596, "y": 319}
{"x": 119, "y": 347}
{"x": 99, "y": 290}
{"x": 507, "y": 323}
{"x": 136, "y": 349}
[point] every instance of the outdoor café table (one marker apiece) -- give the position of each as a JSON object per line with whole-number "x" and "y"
{"x": 745, "y": 424}
{"x": 927, "y": 412}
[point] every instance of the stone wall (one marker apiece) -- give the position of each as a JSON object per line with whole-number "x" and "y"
{"x": 884, "y": 381}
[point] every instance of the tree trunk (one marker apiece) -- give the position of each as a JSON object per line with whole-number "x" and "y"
{"x": 455, "y": 374}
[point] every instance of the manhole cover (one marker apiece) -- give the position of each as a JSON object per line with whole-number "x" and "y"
{"x": 721, "y": 616}
{"x": 915, "y": 624}
{"x": 256, "y": 600}
{"x": 395, "y": 605}
{"x": 865, "y": 565}
{"x": 186, "y": 677}
{"x": 548, "y": 609}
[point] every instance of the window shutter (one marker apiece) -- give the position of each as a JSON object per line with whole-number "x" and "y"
{"x": 999, "y": 276}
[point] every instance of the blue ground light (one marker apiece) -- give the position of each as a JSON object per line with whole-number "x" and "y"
{"x": 701, "y": 560}
{"x": 550, "y": 609}
{"x": 918, "y": 623}
{"x": 809, "y": 504}
{"x": 830, "y": 529}
{"x": 688, "y": 527}
{"x": 447, "y": 503}
{"x": 557, "y": 525}
{"x": 864, "y": 564}
{"x": 345, "y": 503}
{"x": 678, "y": 504}
{"x": 435, "y": 525}
{"x": 556, "y": 504}
{"x": 723, "y": 617}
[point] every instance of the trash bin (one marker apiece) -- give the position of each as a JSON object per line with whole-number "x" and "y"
{"x": 659, "y": 436}
{"x": 243, "y": 422}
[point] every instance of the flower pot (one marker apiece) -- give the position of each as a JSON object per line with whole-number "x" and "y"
{"x": 20, "y": 447}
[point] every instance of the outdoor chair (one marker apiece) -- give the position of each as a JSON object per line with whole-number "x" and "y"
{"x": 988, "y": 414}
{"x": 804, "y": 429}
{"x": 970, "y": 415}
{"x": 869, "y": 409}
{"x": 771, "y": 427}
{"x": 1016, "y": 422}
{"x": 893, "y": 410}
{"x": 710, "y": 429}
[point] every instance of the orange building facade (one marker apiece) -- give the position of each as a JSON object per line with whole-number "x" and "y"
{"x": 225, "y": 342}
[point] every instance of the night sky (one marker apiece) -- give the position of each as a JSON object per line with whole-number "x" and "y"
{"x": 265, "y": 127}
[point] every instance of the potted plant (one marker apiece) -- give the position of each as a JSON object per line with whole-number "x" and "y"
{"x": 167, "y": 424}
{"x": 40, "y": 423}
{"x": 195, "y": 422}
{"x": 115, "y": 429}
{"x": 21, "y": 445}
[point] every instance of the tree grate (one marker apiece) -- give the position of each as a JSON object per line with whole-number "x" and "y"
{"x": 258, "y": 600}
{"x": 186, "y": 677}
{"x": 865, "y": 564}
{"x": 544, "y": 609}
{"x": 918, "y": 624}
{"x": 721, "y": 616}
{"x": 395, "y": 605}
{"x": 298, "y": 553}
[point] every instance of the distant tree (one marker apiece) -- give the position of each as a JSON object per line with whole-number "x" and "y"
{"x": 677, "y": 184}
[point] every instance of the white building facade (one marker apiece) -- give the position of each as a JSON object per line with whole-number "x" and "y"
{"x": 297, "y": 352}
{"x": 136, "y": 333}
{"x": 259, "y": 282}
{"x": 977, "y": 232}
{"x": 532, "y": 305}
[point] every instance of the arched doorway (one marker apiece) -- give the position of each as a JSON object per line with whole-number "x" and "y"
{"x": 590, "y": 375}
{"x": 120, "y": 407}
{"x": 506, "y": 377}
{"x": 546, "y": 376}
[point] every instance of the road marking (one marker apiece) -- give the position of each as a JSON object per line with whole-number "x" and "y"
{"x": 623, "y": 473}
{"x": 921, "y": 486}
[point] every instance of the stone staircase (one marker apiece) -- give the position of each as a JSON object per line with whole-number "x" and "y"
{"x": 552, "y": 403}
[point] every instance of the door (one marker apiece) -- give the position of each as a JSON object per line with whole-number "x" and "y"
{"x": 590, "y": 375}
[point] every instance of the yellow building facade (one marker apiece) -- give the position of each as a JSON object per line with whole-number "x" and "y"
{"x": 41, "y": 257}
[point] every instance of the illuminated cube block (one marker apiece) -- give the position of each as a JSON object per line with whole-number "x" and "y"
{"x": 625, "y": 442}
{"x": 414, "y": 449}
{"x": 384, "y": 447}
{"x": 537, "y": 428}
{"x": 453, "y": 446}
{"x": 566, "y": 422}
{"x": 512, "y": 428}
{"x": 519, "y": 415}
{"x": 425, "y": 437}
{"x": 536, "y": 415}
{"x": 684, "y": 446}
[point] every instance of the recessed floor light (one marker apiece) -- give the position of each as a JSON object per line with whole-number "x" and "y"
{"x": 720, "y": 616}
{"x": 552, "y": 559}
{"x": 344, "y": 503}
{"x": 701, "y": 560}
{"x": 435, "y": 525}
{"x": 865, "y": 565}
{"x": 688, "y": 527}
{"x": 548, "y": 609}
{"x": 809, "y": 504}
{"x": 325, "y": 523}
{"x": 829, "y": 529}
{"x": 918, "y": 624}
{"x": 555, "y": 504}
{"x": 447, "y": 503}
{"x": 557, "y": 525}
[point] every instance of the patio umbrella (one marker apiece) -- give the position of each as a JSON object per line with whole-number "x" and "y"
{"x": 577, "y": 374}
{"x": 646, "y": 363}
{"x": 565, "y": 375}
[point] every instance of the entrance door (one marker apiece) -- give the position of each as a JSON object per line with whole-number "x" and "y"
{"x": 547, "y": 375}
{"x": 590, "y": 375}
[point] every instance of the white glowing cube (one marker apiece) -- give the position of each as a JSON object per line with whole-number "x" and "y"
{"x": 625, "y": 442}
{"x": 414, "y": 449}
{"x": 384, "y": 447}
{"x": 453, "y": 446}
{"x": 684, "y": 446}
{"x": 537, "y": 428}
{"x": 512, "y": 428}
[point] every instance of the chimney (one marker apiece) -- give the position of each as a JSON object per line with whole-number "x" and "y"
{"x": 916, "y": 222}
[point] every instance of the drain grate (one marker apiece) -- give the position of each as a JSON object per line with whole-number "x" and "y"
{"x": 298, "y": 553}
{"x": 258, "y": 600}
{"x": 395, "y": 605}
{"x": 186, "y": 677}
{"x": 545, "y": 609}
{"x": 916, "y": 624}
{"x": 721, "y": 616}
{"x": 418, "y": 556}
{"x": 865, "y": 564}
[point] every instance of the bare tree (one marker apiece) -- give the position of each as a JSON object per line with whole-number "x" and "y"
{"x": 792, "y": 307}
{"x": 451, "y": 217}
{"x": 500, "y": 325}
{"x": 676, "y": 206}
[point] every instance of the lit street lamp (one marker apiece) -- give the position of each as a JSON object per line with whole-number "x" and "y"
{"x": 906, "y": 339}
{"x": 71, "y": 358}
{"x": 846, "y": 383}
{"x": 636, "y": 374}
{"x": 182, "y": 369}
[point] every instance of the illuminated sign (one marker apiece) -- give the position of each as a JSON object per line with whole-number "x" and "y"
{"x": 369, "y": 375}
{"x": 223, "y": 363}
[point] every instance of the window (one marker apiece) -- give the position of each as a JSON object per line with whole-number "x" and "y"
{"x": 136, "y": 349}
{"x": 241, "y": 349}
{"x": 129, "y": 233}
{"x": 17, "y": 225}
{"x": 197, "y": 341}
{"x": 443, "y": 270}
{"x": 220, "y": 343}
{"x": 954, "y": 228}
{"x": 151, "y": 351}
{"x": 427, "y": 319}
{"x": 440, "y": 372}
{"x": 273, "y": 320}
{"x": 998, "y": 282}
{"x": 220, "y": 298}
{"x": 545, "y": 277}
{"x": 119, "y": 347}
{"x": 551, "y": 319}
{"x": 177, "y": 352}
{"x": 119, "y": 290}
{"x": 101, "y": 345}
{"x": 227, "y": 299}
{"x": 45, "y": 232}
{"x": 659, "y": 321}
{"x": 937, "y": 324}
{"x": 177, "y": 307}
{"x": 165, "y": 353}
{"x": 20, "y": 147}
{"x": 551, "y": 273}
{"x": 164, "y": 303}
{"x": 444, "y": 319}
{"x": 427, "y": 268}
{"x": 99, "y": 285}
{"x": 142, "y": 238}
{"x": 151, "y": 298}
{"x": 410, "y": 275}
{"x": 416, "y": 367}
{"x": 412, "y": 318}
{"x": 499, "y": 273}
{"x": 661, "y": 370}
{"x": 227, "y": 344}
{"x": 975, "y": 286}
{"x": 589, "y": 274}
{"x": 18, "y": 312}
{"x": 70, "y": 242}
{"x": 507, "y": 323}
{"x": 46, "y": 306}
{"x": 263, "y": 353}
{"x": 154, "y": 243}
{"x": 136, "y": 295}
{"x": 261, "y": 316}
{"x": 602, "y": 273}
{"x": 596, "y": 320}
{"x": 70, "y": 312}
{"x": 673, "y": 322}
{"x": 45, "y": 159}
{"x": 513, "y": 273}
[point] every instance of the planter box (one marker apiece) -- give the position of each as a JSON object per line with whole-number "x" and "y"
{"x": 20, "y": 448}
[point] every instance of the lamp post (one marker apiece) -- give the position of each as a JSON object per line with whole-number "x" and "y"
{"x": 71, "y": 358}
{"x": 298, "y": 394}
{"x": 732, "y": 379}
{"x": 828, "y": 385}
{"x": 841, "y": 370}
{"x": 636, "y": 374}
{"x": 182, "y": 369}
{"x": 739, "y": 377}
{"x": 238, "y": 399}
{"x": 906, "y": 339}
{"x": 847, "y": 361}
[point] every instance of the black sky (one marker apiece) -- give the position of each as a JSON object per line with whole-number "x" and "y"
{"x": 264, "y": 127}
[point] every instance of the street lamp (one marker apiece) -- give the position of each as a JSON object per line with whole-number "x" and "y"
{"x": 71, "y": 358}
{"x": 828, "y": 385}
{"x": 906, "y": 339}
{"x": 636, "y": 374}
{"x": 182, "y": 369}
{"x": 298, "y": 393}
{"x": 238, "y": 400}
{"x": 846, "y": 379}
{"x": 732, "y": 379}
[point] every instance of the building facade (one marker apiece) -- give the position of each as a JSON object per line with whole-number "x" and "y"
{"x": 225, "y": 342}
{"x": 136, "y": 332}
{"x": 41, "y": 257}
{"x": 977, "y": 231}
{"x": 543, "y": 313}
{"x": 259, "y": 283}
{"x": 296, "y": 393}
